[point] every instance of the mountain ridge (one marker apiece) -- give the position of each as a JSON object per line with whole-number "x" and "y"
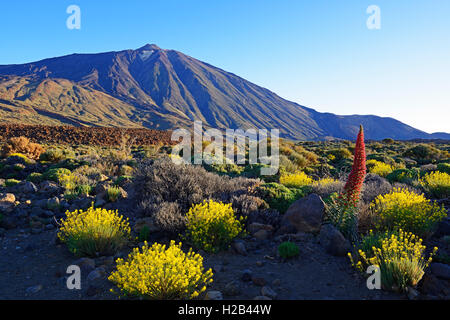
{"x": 164, "y": 89}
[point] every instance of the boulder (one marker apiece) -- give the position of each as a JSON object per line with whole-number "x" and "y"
{"x": 26, "y": 187}
{"x": 49, "y": 188}
{"x": 333, "y": 241}
{"x": 440, "y": 270}
{"x": 306, "y": 214}
{"x": 7, "y": 202}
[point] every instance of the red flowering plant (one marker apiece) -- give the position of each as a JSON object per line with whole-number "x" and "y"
{"x": 341, "y": 209}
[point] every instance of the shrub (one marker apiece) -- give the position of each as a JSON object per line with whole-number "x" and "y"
{"x": 52, "y": 155}
{"x": 11, "y": 182}
{"x": 22, "y": 145}
{"x": 35, "y": 177}
{"x": 162, "y": 181}
{"x": 161, "y": 273}
{"x": 288, "y": 250}
{"x": 212, "y": 225}
{"x": 403, "y": 175}
{"x": 83, "y": 189}
{"x": 279, "y": 197}
{"x": 339, "y": 154}
{"x": 94, "y": 231}
{"x": 444, "y": 168}
{"x": 437, "y": 184}
{"x": 113, "y": 193}
{"x": 55, "y": 174}
{"x": 327, "y": 186}
{"x": 296, "y": 180}
{"x": 21, "y": 157}
{"x": 144, "y": 234}
{"x": 343, "y": 217}
{"x": 399, "y": 257}
{"x": 380, "y": 168}
{"x": 425, "y": 153}
{"x": 403, "y": 209}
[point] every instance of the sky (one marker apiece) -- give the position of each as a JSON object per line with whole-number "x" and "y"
{"x": 320, "y": 54}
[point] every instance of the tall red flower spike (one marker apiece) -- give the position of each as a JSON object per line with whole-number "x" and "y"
{"x": 352, "y": 189}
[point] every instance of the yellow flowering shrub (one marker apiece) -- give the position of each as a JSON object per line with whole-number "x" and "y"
{"x": 324, "y": 182}
{"x": 94, "y": 231}
{"x": 437, "y": 184}
{"x": 212, "y": 225}
{"x": 407, "y": 210}
{"x": 399, "y": 256}
{"x": 380, "y": 168}
{"x": 160, "y": 272}
{"x": 296, "y": 180}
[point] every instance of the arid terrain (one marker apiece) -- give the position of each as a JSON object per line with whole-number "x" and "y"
{"x": 284, "y": 236}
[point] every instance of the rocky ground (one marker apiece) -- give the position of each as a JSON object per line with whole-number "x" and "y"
{"x": 33, "y": 263}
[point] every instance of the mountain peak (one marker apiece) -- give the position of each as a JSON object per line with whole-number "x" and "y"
{"x": 149, "y": 47}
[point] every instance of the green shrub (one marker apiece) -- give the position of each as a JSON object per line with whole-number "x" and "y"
{"x": 113, "y": 193}
{"x": 144, "y": 234}
{"x": 425, "y": 153}
{"x": 279, "y": 197}
{"x": 55, "y": 174}
{"x": 11, "y": 182}
{"x": 288, "y": 250}
{"x": 444, "y": 168}
{"x": 52, "y": 155}
{"x": 403, "y": 175}
{"x": 34, "y": 177}
{"x": 83, "y": 189}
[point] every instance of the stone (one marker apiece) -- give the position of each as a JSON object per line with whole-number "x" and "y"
{"x": 268, "y": 292}
{"x": 34, "y": 289}
{"x": 261, "y": 235}
{"x": 232, "y": 289}
{"x": 258, "y": 281}
{"x": 96, "y": 274}
{"x": 213, "y": 295}
{"x": 333, "y": 241}
{"x": 49, "y": 188}
{"x": 440, "y": 270}
{"x": 7, "y": 202}
{"x": 27, "y": 187}
{"x": 246, "y": 275}
{"x": 276, "y": 282}
{"x": 444, "y": 228}
{"x": 218, "y": 268}
{"x": 413, "y": 294}
{"x": 99, "y": 202}
{"x": 306, "y": 214}
{"x": 145, "y": 222}
{"x": 53, "y": 203}
{"x": 86, "y": 264}
{"x": 9, "y": 222}
{"x": 431, "y": 285}
{"x": 239, "y": 247}
{"x": 261, "y": 298}
{"x": 255, "y": 227}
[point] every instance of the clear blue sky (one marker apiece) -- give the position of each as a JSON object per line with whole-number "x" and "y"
{"x": 317, "y": 53}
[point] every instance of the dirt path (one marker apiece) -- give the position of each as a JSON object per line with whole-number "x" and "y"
{"x": 32, "y": 266}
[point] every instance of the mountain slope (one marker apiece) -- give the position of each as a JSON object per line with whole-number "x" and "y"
{"x": 163, "y": 89}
